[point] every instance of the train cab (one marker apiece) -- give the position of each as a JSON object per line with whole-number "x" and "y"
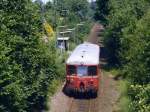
{"x": 82, "y": 69}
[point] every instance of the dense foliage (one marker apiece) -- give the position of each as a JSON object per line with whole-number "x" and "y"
{"x": 27, "y": 65}
{"x": 127, "y": 39}
{"x": 101, "y": 10}
{"x": 70, "y": 13}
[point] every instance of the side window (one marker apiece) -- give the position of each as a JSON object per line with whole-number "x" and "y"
{"x": 71, "y": 70}
{"x": 92, "y": 70}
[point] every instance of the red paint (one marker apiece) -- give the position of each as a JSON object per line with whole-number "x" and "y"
{"x": 89, "y": 82}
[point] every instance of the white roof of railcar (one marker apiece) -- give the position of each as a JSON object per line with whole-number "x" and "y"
{"x": 63, "y": 38}
{"x": 85, "y": 54}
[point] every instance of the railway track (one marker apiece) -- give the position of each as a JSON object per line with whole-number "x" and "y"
{"x": 82, "y": 105}
{"x": 91, "y": 104}
{"x": 107, "y": 94}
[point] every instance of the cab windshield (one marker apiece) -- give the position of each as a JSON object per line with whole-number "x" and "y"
{"x": 82, "y": 70}
{"x": 86, "y": 70}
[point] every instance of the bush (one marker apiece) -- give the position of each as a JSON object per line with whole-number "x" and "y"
{"x": 140, "y": 95}
{"x": 127, "y": 40}
{"x": 28, "y": 65}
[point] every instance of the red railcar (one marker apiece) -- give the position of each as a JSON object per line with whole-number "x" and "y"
{"x": 82, "y": 69}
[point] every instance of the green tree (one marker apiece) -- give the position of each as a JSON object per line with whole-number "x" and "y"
{"x": 101, "y": 10}
{"x": 123, "y": 14}
{"x": 27, "y": 65}
{"x": 127, "y": 40}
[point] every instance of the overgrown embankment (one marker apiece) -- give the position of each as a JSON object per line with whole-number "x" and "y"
{"x": 127, "y": 40}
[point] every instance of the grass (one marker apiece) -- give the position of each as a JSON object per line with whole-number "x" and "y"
{"x": 57, "y": 82}
{"x": 55, "y": 85}
{"x": 114, "y": 71}
{"x": 124, "y": 100}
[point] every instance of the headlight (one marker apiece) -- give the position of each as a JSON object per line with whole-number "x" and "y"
{"x": 71, "y": 80}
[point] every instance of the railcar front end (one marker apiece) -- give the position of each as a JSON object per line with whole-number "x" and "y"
{"x": 82, "y": 78}
{"x": 82, "y": 69}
